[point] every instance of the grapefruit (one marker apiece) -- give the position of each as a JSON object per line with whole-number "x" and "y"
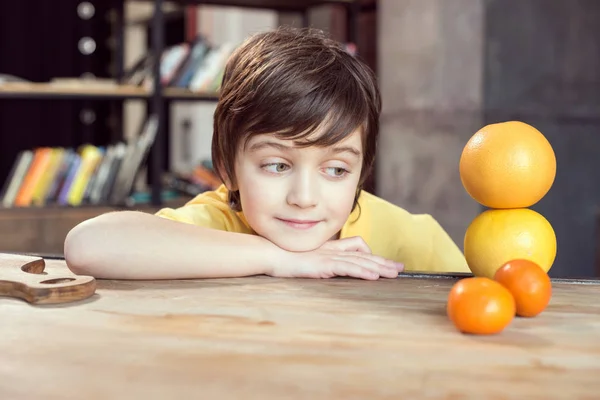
{"x": 507, "y": 165}
{"x": 496, "y": 237}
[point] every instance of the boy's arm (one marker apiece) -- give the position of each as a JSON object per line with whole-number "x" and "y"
{"x": 136, "y": 245}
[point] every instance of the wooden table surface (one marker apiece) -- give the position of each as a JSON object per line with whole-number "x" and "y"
{"x": 266, "y": 338}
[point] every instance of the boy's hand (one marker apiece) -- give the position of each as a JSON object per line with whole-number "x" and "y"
{"x": 346, "y": 257}
{"x": 355, "y": 243}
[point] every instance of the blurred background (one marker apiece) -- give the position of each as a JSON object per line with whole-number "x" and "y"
{"x": 108, "y": 104}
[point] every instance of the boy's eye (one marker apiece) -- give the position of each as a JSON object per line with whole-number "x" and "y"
{"x": 276, "y": 167}
{"x": 336, "y": 171}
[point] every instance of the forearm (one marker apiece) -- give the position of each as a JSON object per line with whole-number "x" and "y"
{"x": 133, "y": 245}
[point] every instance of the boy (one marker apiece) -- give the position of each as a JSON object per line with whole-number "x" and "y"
{"x": 295, "y": 133}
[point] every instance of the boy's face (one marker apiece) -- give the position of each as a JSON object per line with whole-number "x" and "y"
{"x": 296, "y": 197}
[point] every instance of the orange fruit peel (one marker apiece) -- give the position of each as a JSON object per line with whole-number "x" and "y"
{"x": 495, "y": 237}
{"x": 507, "y": 165}
{"x": 529, "y": 284}
{"x": 480, "y": 306}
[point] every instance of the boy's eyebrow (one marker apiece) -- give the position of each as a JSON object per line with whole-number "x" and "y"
{"x": 346, "y": 149}
{"x": 282, "y": 147}
{"x": 265, "y": 143}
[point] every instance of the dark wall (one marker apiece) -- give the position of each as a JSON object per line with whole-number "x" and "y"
{"x": 542, "y": 66}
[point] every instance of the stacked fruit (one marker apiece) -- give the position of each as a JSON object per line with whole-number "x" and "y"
{"x": 506, "y": 167}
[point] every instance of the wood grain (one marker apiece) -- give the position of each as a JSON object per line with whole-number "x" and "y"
{"x": 266, "y": 338}
{"x": 25, "y": 278}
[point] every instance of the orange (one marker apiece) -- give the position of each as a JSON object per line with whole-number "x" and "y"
{"x": 507, "y": 165}
{"x": 480, "y": 306}
{"x": 495, "y": 237}
{"x": 529, "y": 285}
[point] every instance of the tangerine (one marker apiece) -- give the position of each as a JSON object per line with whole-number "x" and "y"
{"x": 495, "y": 237}
{"x": 507, "y": 165}
{"x": 529, "y": 284}
{"x": 480, "y": 306}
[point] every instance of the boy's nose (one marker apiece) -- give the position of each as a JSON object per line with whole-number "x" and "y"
{"x": 302, "y": 193}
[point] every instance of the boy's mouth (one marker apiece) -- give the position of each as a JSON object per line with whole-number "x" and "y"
{"x": 299, "y": 223}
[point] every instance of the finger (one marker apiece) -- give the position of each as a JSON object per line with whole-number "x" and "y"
{"x": 359, "y": 244}
{"x": 383, "y": 270}
{"x": 344, "y": 268}
{"x": 381, "y": 266}
{"x": 354, "y": 243}
{"x": 399, "y": 267}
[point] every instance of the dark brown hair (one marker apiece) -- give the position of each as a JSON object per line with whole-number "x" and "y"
{"x": 289, "y": 82}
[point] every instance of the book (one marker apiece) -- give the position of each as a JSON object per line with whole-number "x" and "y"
{"x": 88, "y": 175}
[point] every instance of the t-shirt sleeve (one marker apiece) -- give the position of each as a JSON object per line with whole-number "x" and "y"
{"x": 438, "y": 251}
{"x": 210, "y": 210}
{"x": 206, "y": 215}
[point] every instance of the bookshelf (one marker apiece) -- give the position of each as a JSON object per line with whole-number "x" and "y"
{"x": 81, "y": 92}
{"x": 160, "y": 95}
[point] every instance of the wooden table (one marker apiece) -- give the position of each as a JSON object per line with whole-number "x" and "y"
{"x": 266, "y": 338}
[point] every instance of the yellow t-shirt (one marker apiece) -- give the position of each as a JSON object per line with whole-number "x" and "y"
{"x": 416, "y": 240}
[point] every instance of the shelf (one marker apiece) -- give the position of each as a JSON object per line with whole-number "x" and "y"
{"x": 54, "y": 210}
{"x": 37, "y": 91}
{"x": 43, "y": 229}
{"x": 177, "y": 94}
{"x": 276, "y": 5}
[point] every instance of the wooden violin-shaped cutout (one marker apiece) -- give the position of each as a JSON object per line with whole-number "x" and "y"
{"x": 33, "y": 284}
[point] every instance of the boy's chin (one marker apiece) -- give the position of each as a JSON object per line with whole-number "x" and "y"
{"x": 297, "y": 244}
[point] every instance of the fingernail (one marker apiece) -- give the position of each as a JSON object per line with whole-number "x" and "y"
{"x": 399, "y": 266}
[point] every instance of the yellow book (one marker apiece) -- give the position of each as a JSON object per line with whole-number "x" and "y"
{"x": 90, "y": 157}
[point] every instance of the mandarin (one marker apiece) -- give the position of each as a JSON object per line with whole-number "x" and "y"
{"x": 495, "y": 237}
{"x": 507, "y": 165}
{"x": 529, "y": 284}
{"x": 480, "y": 306}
